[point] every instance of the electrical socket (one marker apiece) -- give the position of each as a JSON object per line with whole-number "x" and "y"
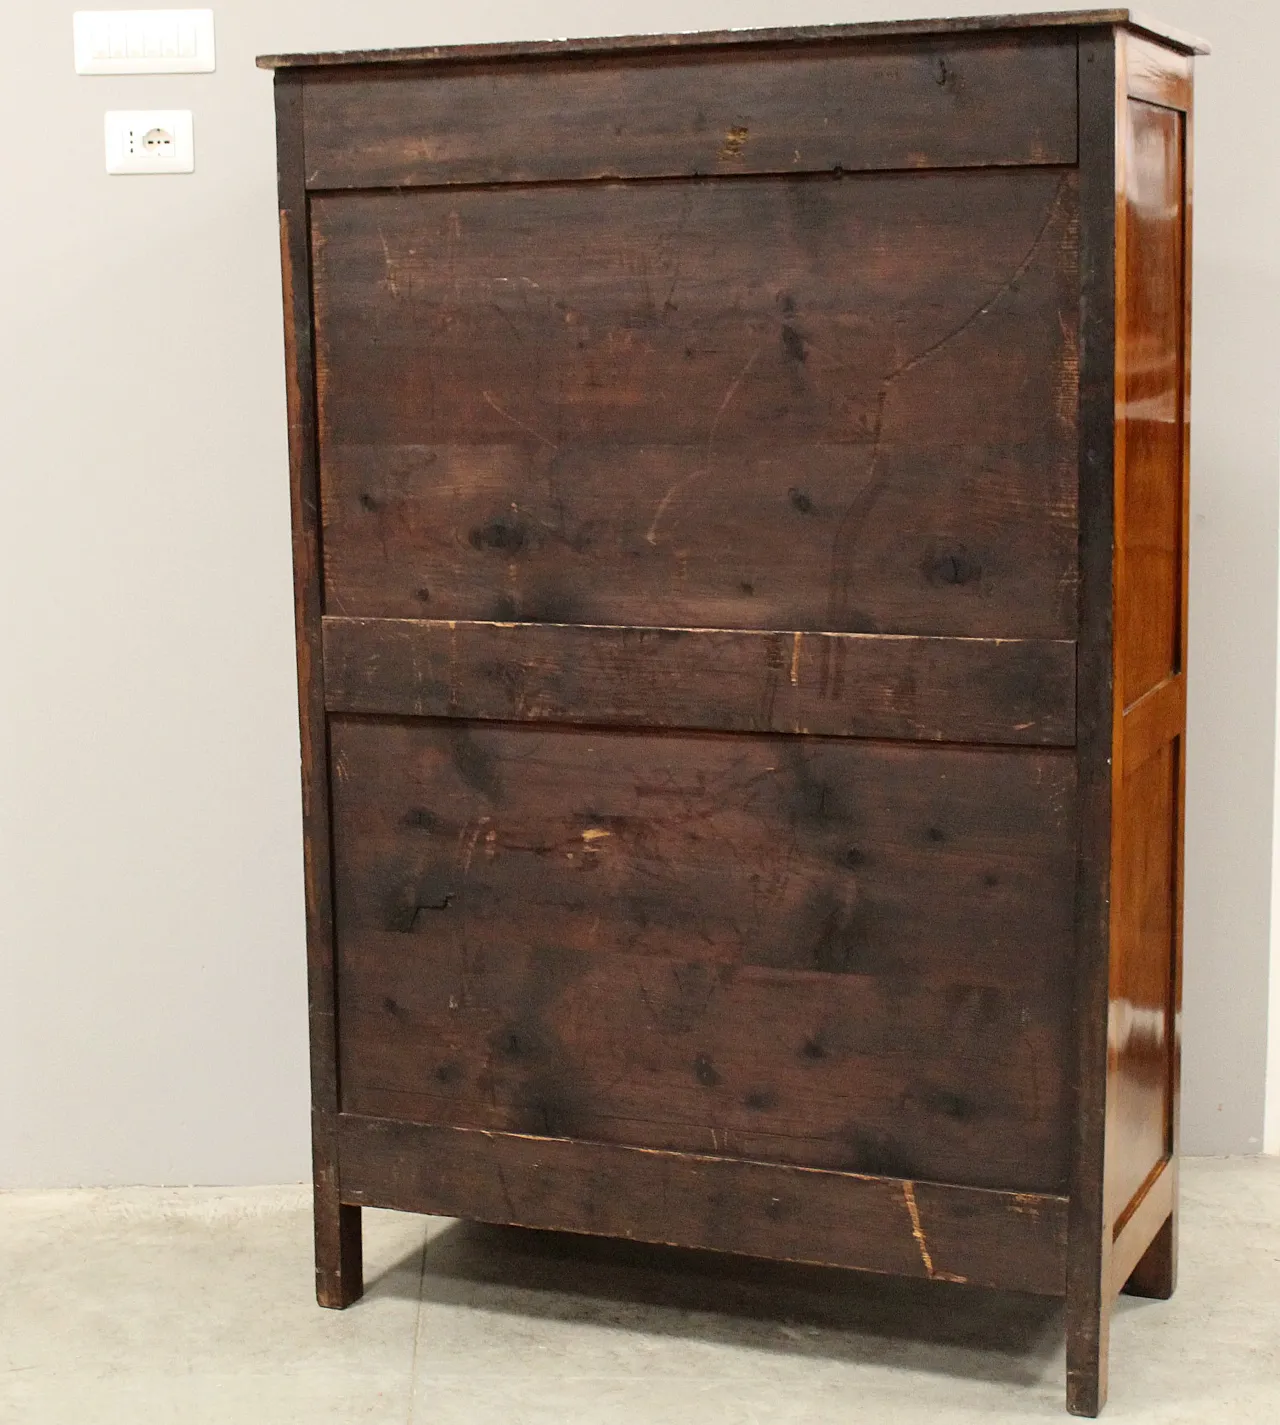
{"x": 150, "y": 141}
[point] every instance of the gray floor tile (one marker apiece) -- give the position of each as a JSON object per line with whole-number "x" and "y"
{"x": 196, "y": 1307}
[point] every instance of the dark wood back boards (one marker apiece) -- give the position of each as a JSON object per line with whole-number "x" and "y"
{"x": 739, "y": 507}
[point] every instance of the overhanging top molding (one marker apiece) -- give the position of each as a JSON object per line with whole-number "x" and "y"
{"x": 710, "y": 39}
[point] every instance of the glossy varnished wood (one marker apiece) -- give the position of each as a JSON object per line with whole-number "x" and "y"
{"x": 1128, "y": 1152}
{"x": 1153, "y": 563}
{"x": 1148, "y": 627}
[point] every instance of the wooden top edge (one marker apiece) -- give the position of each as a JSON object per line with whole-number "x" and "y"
{"x": 795, "y": 35}
{"x": 1176, "y": 39}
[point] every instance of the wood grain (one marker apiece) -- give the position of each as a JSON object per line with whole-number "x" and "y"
{"x": 972, "y": 102}
{"x": 1156, "y": 74}
{"x": 1149, "y": 653}
{"x": 1141, "y": 975}
{"x": 1101, "y": 230}
{"x": 854, "y": 952}
{"x": 740, "y": 512}
{"x": 780, "y": 38}
{"x": 339, "y": 1279}
{"x": 854, "y": 685}
{"x": 1144, "y": 1236}
{"x": 1148, "y": 630}
{"x": 741, "y": 404}
{"x": 914, "y": 1229}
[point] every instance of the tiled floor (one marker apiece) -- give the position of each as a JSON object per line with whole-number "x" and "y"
{"x": 194, "y": 1307}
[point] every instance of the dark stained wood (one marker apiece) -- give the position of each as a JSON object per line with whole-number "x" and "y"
{"x": 709, "y": 410}
{"x": 805, "y": 854}
{"x": 865, "y": 1072}
{"x": 915, "y": 1229}
{"x": 337, "y": 1228}
{"x": 339, "y": 1242}
{"x": 970, "y": 103}
{"x": 774, "y": 38}
{"x": 732, "y": 940}
{"x": 740, "y": 507}
{"x": 1089, "y": 1237}
{"x": 855, "y": 685}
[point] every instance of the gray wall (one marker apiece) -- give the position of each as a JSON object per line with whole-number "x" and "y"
{"x": 152, "y": 1022}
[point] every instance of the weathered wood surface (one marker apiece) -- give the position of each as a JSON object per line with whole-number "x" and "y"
{"x": 969, "y": 103}
{"x": 857, "y": 685}
{"x": 815, "y": 404}
{"x": 913, "y": 1229}
{"x": 1089, "y": 1237}
{"x": 337, "y": 1228}
{"x": 831, "y": 952}
{"x": 780, "y": 38}
{"x": 644, "y": 923}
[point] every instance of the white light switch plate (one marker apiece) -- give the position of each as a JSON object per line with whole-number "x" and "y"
{"x": 150, "y": 141}
{"x": 143, "y": 41}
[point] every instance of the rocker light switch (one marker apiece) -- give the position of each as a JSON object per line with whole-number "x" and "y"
{"x": 143, "y": 41}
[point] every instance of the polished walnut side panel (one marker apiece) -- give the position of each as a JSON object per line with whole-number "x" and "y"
{"x": 1149, "y": 613}
{"x": 1150, "y": 642}
{"x": 1144, "y": 895}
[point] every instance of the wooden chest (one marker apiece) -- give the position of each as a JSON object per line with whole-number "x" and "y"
{"x": 739, "y": 491}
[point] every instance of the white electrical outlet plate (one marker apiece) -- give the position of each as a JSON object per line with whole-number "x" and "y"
{"x": 150, "y": 141}
{"x": 143, "y": 41}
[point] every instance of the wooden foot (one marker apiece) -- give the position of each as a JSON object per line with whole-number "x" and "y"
{"x": 339, "y": 1252}
{"x": 1088, "y": 1333}
{"x": 1156, "y": 1275}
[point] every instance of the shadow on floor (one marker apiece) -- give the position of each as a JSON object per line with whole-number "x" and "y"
{"x": 826, "y": 1313}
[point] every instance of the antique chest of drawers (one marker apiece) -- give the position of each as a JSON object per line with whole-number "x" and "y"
{"x": 739, "y": 496}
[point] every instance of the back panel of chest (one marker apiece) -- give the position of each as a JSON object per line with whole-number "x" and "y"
{"x": 777, "y": 452}
{"x": 740, "y": 541}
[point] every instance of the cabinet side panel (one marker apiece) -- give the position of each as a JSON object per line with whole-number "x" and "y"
{"x": 1148, "y": 626}
{"x": 1150, "y": 618}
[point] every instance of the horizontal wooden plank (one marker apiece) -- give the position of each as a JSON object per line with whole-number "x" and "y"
{"x": 969, "y": 102}
{"x": 899, "y": 1226}
{"x": 781, "y": 37}
{"x": 853, "y": 685}
{"x": 748, "y": 404}
{"x": 865, "y": 1072}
